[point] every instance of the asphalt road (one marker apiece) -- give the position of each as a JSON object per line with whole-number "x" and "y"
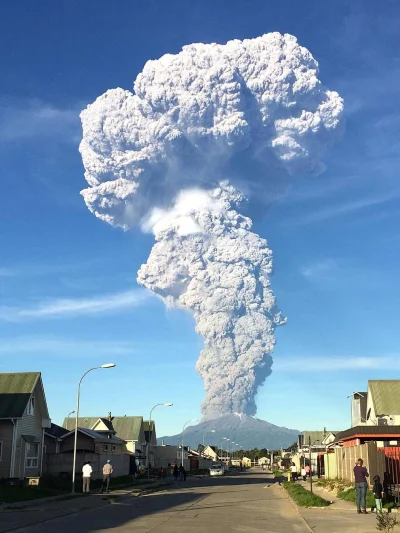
{"x": 242, "y": 502}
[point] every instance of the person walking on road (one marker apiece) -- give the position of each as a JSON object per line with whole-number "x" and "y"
{"x": 86, "y": 474}
{"x": 293, "y": 470}
{"x": 361, "y": 475}
{"x": 303, "y": 473}
{"x": 182, "y": 473}
{"x": 176, "y": 472}
{"x": 378, "y": 493}
{"x": 107, "y": 471}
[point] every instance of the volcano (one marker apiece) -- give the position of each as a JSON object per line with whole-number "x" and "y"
{"x": 247, "y": 431}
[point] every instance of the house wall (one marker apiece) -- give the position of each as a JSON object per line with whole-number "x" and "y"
{"x": 83, "y": 443}
{"x": 30, "y": 425}
{"x": 110, "y": 448}
{"x": 6, "y": 437}
{"x": 55, "y": 464}
{"x": 51, "y": 444}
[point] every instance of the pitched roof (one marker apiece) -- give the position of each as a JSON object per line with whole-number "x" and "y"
{"x": 56, "y": 431}
{"x": 15, "y": 391}
{"x": 316, "y": 437}
{"x": 385, "y": 396}
{"x": 95, "y": 436}
{"x": 125, "y": 427}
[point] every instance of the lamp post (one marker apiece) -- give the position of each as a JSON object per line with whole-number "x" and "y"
{"x": 168, "y": 404}
{"x": 107, "y": 365}
{"x": 226, "y": 456}
{"x": 204, "y": 434}
{"x": 183, "y": 431}
{"x": 69, "y": 414}
{"x": 220, "y": 439}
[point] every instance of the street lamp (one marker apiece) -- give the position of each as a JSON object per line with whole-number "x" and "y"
{"x": 204, "y": 434}
{"x": 309, "y": 450}
{"x": 226, "y": 456}
{"x": 220, "y": 439}
{"x": 183, "y": 431}
{"x": 168, "y": 404}
{"x": 106, "y": 365}
{"x": 69, "y": 414}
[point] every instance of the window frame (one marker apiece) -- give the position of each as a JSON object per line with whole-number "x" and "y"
{"x": 105, "y": 447}
{"x": 30, "y": 411}
{"x": 31, "y": 460}
{"x": 113, "y": 448}
{"x": 1, "y": 451}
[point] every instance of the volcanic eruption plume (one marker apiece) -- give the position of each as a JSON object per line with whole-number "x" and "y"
{"x": 208, "y": 137}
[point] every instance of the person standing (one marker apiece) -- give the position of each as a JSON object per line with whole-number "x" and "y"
{"x": 361, "y": 475}
{"x": 176, "y": 472}
{"x": 293, "y": 470}
{"x": 308, "y": 470}
{"x": 303, "y": 473}
{"x": 86, "y": 474}
{"x": 378, "y": 493}
{"x": 107, "y": 471}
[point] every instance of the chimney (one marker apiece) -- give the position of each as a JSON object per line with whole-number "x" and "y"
{"x": 109, "y": 416}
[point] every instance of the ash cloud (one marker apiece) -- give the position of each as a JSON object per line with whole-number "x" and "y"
{"x": 206, "y": 136}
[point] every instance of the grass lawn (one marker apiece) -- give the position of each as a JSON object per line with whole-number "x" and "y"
{"x": 350, "y": 496}
{"x": 304, "y": 497}
{"x": 21, "y": 494}
{"x": 55, "y": 486}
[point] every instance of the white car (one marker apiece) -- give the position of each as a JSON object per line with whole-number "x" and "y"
{"x": 217, "y": 470}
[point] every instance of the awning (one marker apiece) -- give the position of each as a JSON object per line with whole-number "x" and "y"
{"x": 31, "y": 439}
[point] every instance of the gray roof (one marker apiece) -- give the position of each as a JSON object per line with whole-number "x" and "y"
{"x": 95, "y": 435}
{"x": 15, "y": 391}
{"x": 125, "y": 427}
{"x": 385, "y": 396}
{"x": 316, "y": 437}
{"x": 55, "y": 431}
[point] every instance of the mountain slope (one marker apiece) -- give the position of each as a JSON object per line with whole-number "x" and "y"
{"x": 244, "y": 430}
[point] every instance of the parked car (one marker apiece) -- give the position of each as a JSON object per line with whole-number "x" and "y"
{"x": 217, "y": 470}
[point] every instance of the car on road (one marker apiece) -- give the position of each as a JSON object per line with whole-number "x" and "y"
{"x": 217, "y": 470}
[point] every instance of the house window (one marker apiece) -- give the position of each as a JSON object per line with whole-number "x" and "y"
{"x": 1, "y": 450}
{"x": 105, "y": 447}
{"x": 113, "y": 448}
{"x": 31, "y": 406}
{"x": 32, "y": 456}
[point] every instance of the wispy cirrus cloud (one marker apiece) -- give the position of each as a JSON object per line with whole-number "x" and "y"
{"x": 332, "y": 363}
{"x": 319, "y": 269}
{"x": 73, "y": 307}
{"x": 31, "y": 118}
{"x": 64, "y": 347}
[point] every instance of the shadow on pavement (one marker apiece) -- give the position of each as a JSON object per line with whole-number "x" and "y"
{"x": 130, "y": 508}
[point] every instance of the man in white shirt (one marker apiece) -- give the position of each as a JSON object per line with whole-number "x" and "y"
{"x": 86, "y": 473}
{"x": 293, "y": 469}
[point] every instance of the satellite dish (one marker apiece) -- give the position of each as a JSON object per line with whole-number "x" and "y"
{"x": 369, "y": 413}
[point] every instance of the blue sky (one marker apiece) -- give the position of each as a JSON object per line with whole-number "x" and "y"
{"x": 69, "y": 298}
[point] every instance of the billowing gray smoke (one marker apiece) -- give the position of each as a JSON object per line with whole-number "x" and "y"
{"x": 205, "y": 134}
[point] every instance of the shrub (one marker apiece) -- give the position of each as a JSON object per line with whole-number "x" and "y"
{"x": 303, "y": 497}
{"x": 386, "y": 522}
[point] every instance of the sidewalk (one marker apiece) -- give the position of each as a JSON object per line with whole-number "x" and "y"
{"x": 23, "y": 514}
{"x": 339, "y": 517}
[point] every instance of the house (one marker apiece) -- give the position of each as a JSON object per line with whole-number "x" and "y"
{"x": 92, "y": 441}
{"x": 211, "y": 451}
{"x": 52, "y": 438}
{"x": 312, "y": 444}
{"x": 91, "y": 446}
{"x": 128, "y": 428}
{"x": 23, "y": 419}
{"x": 383, "y": 402}
{"x": 150, "y": 433}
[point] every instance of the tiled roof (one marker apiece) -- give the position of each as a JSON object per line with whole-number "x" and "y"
{"x": 385, "y": 396}
{"x": 15, "y": 391}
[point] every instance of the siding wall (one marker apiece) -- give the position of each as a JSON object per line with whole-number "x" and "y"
{"x": 6, "y": 435}
{"x": 30, "y": 425}
{"x": 373, "y": 457}
{"x": 83, "y": 443}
